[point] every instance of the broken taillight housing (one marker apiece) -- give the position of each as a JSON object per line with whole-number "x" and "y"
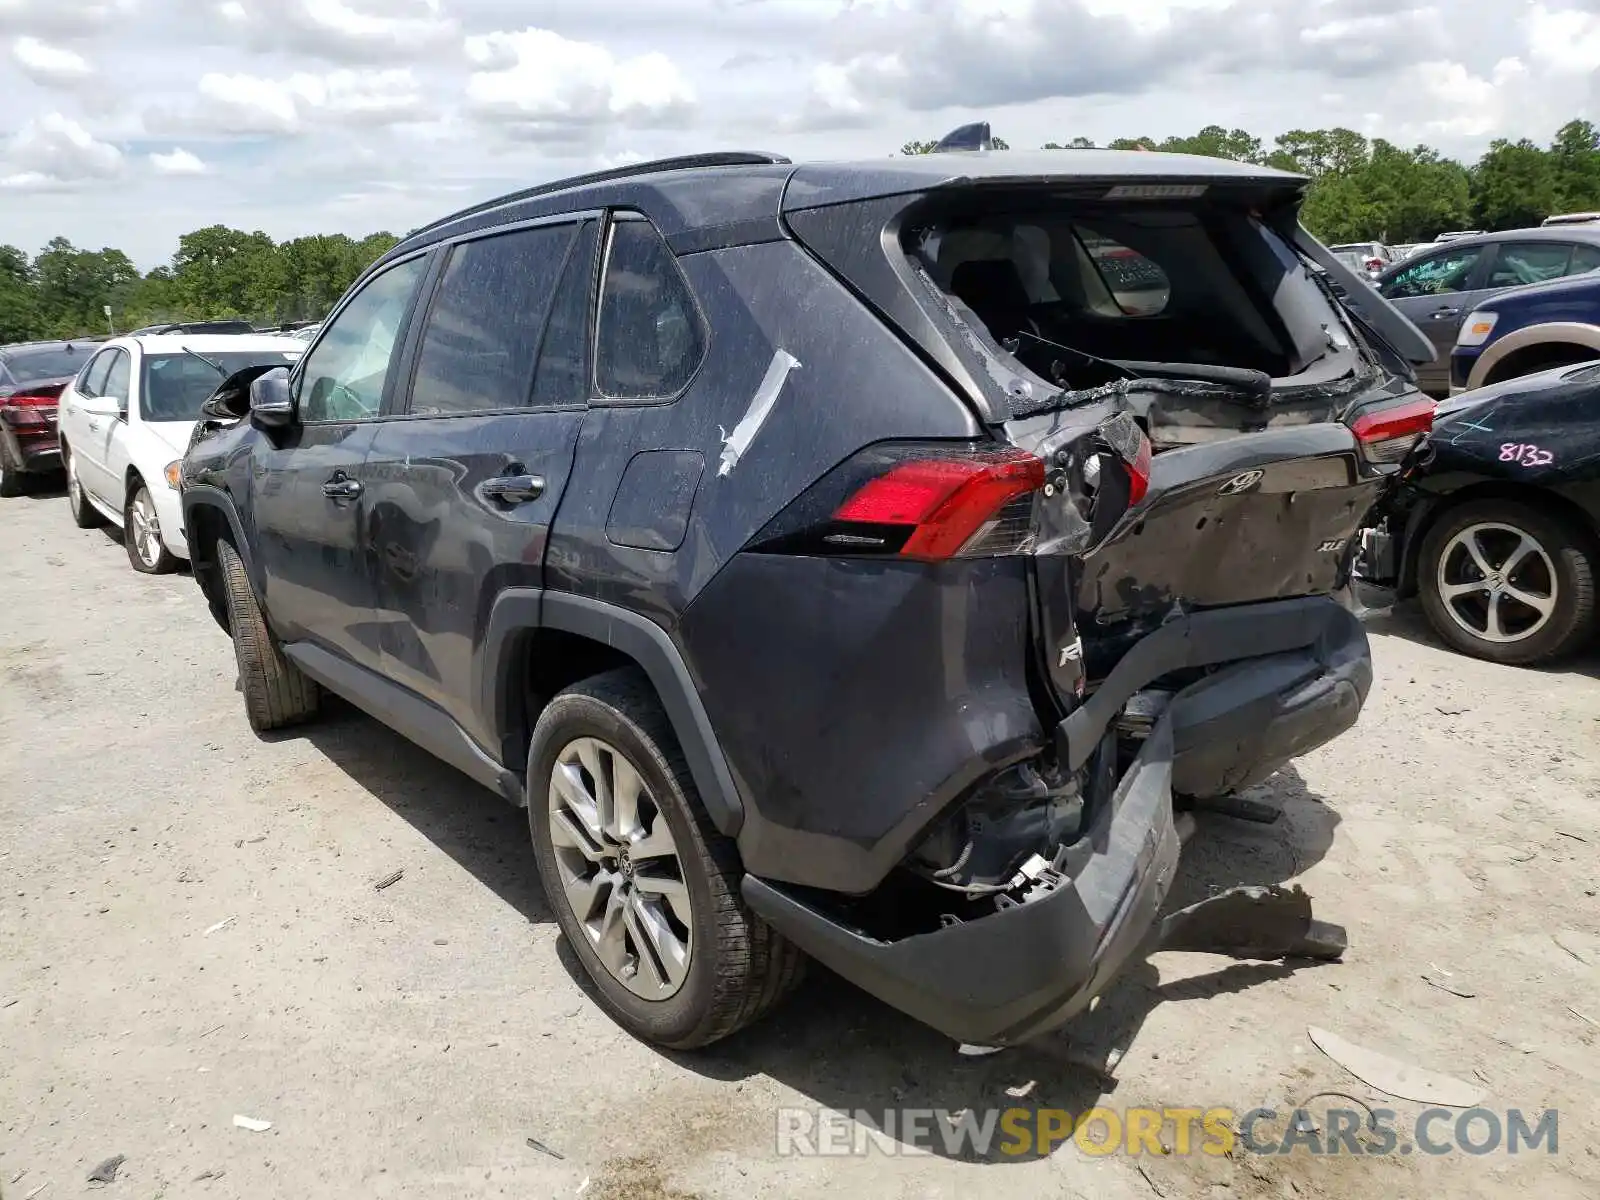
{"x": 929, "y": 502}
{"x": 1387, "y": 435}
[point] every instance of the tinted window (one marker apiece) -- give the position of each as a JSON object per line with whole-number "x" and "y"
{"x": 30, "y": 366}
{"x": 1446, "y": 272}
{"x": 485, "y": 320}
{"x": 93, "y": 379}
{"x": 1529, "y": 262}
{"x": 649, "y": 341}
{"x": 1584, "y": 258}
{"x": 176, "y": 385}
{"x": 118, "y": 377}
{"x": 563, "y": 374}
{"x": 345, "y": 374}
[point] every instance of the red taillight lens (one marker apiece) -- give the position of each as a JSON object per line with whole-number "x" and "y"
{"x": 28, "y": 408}
{"x": 1389, "y": 434}
{"x": 1374, "y": 264}
{"x": 946, "y": 502}
{"x": 1139, "y": 473}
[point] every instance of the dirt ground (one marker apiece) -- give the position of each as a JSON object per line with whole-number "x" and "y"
{"x": 189, "y": 930}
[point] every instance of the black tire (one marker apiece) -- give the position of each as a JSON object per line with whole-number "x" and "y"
{"x": 1569, "y": 549}
{"x": 276, "y": 693}
{"x": 12, "y": 481}
{"x": 163, "y": 561}
{"x": 739, "y": 967}
{"x": 84, "y": 514}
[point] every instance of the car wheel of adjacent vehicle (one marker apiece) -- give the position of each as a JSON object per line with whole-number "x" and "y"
{"x": 12, "y": 481}
{"x": 141, "y": 534}
{"x": 84, "y": 514}
{"x": 645, "y": 888}
{"x": 276, "y": 692}
{"x": 1508, "y": 581}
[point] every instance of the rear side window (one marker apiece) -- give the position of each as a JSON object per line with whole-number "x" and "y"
{"x": 1436, "y": 276}
{"x": 1529, "y": 262}
{"x": 1584, "y": 259}
{"x": 649, "y": 343}
{"x": 484, "y": 324}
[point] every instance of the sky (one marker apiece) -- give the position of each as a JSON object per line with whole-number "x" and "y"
{"x": 128, "y": 122}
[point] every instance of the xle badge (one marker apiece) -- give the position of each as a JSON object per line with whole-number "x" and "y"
{"x": 1241, "y": 483}
{"x": 1329, "y": 547}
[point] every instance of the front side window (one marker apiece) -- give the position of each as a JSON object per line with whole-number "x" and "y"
{"x": 93, "y": 380}
{"x": 118, "y": 377}
{"x": 1436, "y": 276}
{"x": 345, "y": 375}
{"x": 485, "y": 320}
{"x": 649, "y": 343}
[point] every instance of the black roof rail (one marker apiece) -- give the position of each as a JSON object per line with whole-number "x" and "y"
{"x": 683, "y": 162}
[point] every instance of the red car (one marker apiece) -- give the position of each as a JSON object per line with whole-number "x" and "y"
{"x": 32, "y": 377}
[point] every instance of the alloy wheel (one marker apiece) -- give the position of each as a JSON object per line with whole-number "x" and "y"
{"x": 620, "y": 870}
{"x": 144, "y": 528}
{"x": 1497, "y": 582}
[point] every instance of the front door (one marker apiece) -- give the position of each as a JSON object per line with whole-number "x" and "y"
{"x": 308, "y": 500}
{"x": 96, "y": 472}
{"x": 1436, "y": 292}
{"x": 463, "y": 484}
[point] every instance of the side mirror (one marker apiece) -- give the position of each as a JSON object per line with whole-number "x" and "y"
{"x": 104, "y": 406}
{"x": 272, "y": 404}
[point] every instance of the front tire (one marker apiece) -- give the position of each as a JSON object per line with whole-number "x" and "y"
{"x": 141, "y": 534}
{"x": 644, "y": 887}
{"x": 84, "y": 514}
{"x": 1508, "y": 581}
{"x": 276, "y": 692}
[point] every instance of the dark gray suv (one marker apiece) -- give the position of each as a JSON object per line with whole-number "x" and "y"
{"x": 860, "y": 561}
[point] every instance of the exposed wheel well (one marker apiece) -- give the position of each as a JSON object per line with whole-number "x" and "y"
{"x": 1537, "y": 497}
{"x": 206, "y": 526}
{"x": 1539, "y": 358}
{"x": 545, "y": 662}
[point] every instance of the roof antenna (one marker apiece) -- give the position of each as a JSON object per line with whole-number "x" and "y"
{"x": 969, "y": 137}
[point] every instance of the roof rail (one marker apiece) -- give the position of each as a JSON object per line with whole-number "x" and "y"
{"x": 684, "y": 162}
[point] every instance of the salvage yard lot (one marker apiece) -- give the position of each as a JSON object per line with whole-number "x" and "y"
{"x": 189, "y": 930}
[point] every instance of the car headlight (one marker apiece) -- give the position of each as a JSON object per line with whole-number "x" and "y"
{"x": 174, "y": 472}
{"x": 1475, "y": 330}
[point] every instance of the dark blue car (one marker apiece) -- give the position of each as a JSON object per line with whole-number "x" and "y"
{"x": 1528, "y": 329}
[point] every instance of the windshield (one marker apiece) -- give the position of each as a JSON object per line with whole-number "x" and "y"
{"x": 1207, "y": 285}
{"x": 176, "y": 385}
{"x": 30, "y": 366}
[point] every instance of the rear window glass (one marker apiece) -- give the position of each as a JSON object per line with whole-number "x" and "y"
{"x": 30, "y": 366}
{"x": 176, "y": 385}
{"x": 1066, "y": 291}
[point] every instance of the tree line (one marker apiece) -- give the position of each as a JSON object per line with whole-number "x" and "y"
{"x": 217, "y": 272}
{"x": 1361, "y": 189}
{"x": 1371, "y": 190}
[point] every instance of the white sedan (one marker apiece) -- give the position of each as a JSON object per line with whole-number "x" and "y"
{"x": 124, "y": 424}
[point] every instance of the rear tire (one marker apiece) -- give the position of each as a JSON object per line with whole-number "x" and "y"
{"x": 1532, "y": 555}
{"x": 738, "y": 967}
{"x": 12, "y": 481}
{"x": 84, "y": 514}
{"x": 277, "y": 693}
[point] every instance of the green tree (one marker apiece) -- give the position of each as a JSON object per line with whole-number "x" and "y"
{"x": 1575, "y": 153}
{"x": 1514, "y": 185}
{"x": 72, "y": 286}
{"x": 19, "y": 308}
{"x": 1077, "y": 143}
{"x": 229, "y": 273}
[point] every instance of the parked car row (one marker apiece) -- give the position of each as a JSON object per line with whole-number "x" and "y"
{"x": 859, "y": 562}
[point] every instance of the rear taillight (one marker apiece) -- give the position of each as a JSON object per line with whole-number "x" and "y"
{"x": 1387, "y": 435}
{"x": 29, "y": 408}
{"x": 1374, "y": 264}
{"x": 924, "y": 501}
{"x": 946, "y": 507}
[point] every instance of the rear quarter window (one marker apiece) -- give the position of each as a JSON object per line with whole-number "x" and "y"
{"x": 650, "y": 341}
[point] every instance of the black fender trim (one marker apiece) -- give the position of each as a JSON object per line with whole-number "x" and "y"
{"x": 204, "y": 495}
{"x": 646, "y": 643}
{"x": 407, "y": 714}
{"x": 1199, "y": 639}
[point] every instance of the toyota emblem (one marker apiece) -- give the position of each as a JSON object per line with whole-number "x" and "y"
{"x": 1243, "y": 482}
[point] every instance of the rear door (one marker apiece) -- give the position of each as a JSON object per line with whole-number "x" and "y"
{"x": 307, "y": 501}
{"x": 462, "y": 485}
{"x": 1437, "y": 291}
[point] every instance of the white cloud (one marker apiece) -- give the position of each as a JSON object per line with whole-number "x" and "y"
{"x": 1566, "y": 39}
{"x": 47, "y": 64}
{"x": 55, "y": 150}
{"x": 542, "y": 85}
{"x": 245, "y": 104}
{"x": 70, "y": 18}
{"x": 178, "y": 161}
{"x": 340, "y": 30}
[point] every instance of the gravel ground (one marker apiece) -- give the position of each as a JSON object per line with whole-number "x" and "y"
{"x": 189, "y": 930}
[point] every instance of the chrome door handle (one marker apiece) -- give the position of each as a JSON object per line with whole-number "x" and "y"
{"x": 341, "y": 488}
{"x": 512, "y": 489}
{"x": 1444, "y": 314}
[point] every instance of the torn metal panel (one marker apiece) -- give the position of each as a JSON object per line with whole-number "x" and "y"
{"x": 736, "y": 443}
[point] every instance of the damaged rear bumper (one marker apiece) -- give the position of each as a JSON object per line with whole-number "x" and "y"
{"x": 1056, "y": 943}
